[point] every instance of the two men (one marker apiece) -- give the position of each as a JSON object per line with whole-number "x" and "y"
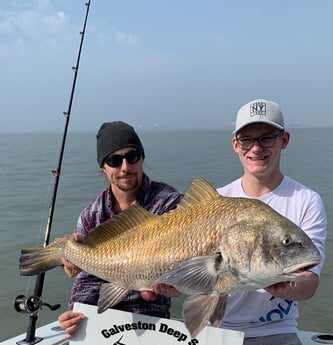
{"x": 267, "y": 316}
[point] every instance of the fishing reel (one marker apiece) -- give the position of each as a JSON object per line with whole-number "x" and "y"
{"x": 31, "y": 304}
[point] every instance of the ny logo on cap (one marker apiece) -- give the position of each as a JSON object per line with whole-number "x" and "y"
{"x": 258, "y": 108}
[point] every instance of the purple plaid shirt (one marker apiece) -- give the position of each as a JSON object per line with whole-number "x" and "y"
{"x": 155, "y": 197}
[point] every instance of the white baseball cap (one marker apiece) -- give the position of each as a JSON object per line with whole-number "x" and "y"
{"x": 259, "y": 110}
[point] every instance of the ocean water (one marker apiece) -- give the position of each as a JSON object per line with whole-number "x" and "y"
{"x": 174, "y": 157}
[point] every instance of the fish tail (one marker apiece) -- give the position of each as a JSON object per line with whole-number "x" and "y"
{"x": 33, "y": 261}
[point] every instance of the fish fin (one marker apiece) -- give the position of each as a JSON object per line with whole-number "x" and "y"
{"x": 110, "y": 295}
{"x": 34, "y": 261}
{"x": 194, "y": 275}
{"x": 129, "y": 219}
{"x": 217, "y": 316}
{"x": 197, "y": 311}
{"x": 199, "y": 190}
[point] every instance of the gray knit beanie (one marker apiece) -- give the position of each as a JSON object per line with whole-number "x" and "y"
{"x": 113, "y": 136}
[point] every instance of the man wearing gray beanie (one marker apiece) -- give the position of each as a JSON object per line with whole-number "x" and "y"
{"x": 116, "y": 135}
{"x": 120, "y": 155}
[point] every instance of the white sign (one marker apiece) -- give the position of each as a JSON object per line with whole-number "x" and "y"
{"x": 114, "y": 327}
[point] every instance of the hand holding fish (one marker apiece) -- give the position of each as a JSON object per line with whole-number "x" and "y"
{"x": 303, "y": 289}
{"x": 169, "y": 291}
{"x": 162, "y": 289}
{"x": 208, "y": 247}
{"x": 70, "y": 269}
{"x": 69, "y": 320}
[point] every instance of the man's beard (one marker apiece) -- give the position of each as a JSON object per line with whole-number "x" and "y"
{"x": 127, "y": 185}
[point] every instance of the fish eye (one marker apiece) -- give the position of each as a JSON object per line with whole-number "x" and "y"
{"x": 286, "y": 240}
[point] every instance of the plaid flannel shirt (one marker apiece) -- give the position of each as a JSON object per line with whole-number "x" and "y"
{"x": 155, "y": 197}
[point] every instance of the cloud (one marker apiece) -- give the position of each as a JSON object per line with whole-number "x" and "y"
{"x": 127, "y": 38}
{"x": 38, "y": 22}
{"x": 5, "y": 27}
{"x": 44, "y": 5}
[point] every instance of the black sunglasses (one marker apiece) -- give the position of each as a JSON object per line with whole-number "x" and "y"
{"x": 115, "y": 161}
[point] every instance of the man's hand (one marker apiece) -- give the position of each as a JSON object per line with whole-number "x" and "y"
{"x": 299, "y": 290}
{"x": 70, "y": 269}
{"x": 69, "y": 321}
{"x": 162, "y": 289}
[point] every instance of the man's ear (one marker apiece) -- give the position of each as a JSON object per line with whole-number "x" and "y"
{"x": 285, "y": 139}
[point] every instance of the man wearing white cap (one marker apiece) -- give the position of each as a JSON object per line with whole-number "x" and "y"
{"x": 268, "y": 316}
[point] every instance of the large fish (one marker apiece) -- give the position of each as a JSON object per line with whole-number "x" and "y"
{"x": 208, "y": 247}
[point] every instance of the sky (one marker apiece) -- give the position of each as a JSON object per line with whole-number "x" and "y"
{"x": 170, "y": 64}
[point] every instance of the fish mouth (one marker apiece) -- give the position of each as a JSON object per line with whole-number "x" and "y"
{"x": 301, "y": 267}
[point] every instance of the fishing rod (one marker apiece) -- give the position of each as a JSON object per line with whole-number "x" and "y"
{"x": 33, "y": 303}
